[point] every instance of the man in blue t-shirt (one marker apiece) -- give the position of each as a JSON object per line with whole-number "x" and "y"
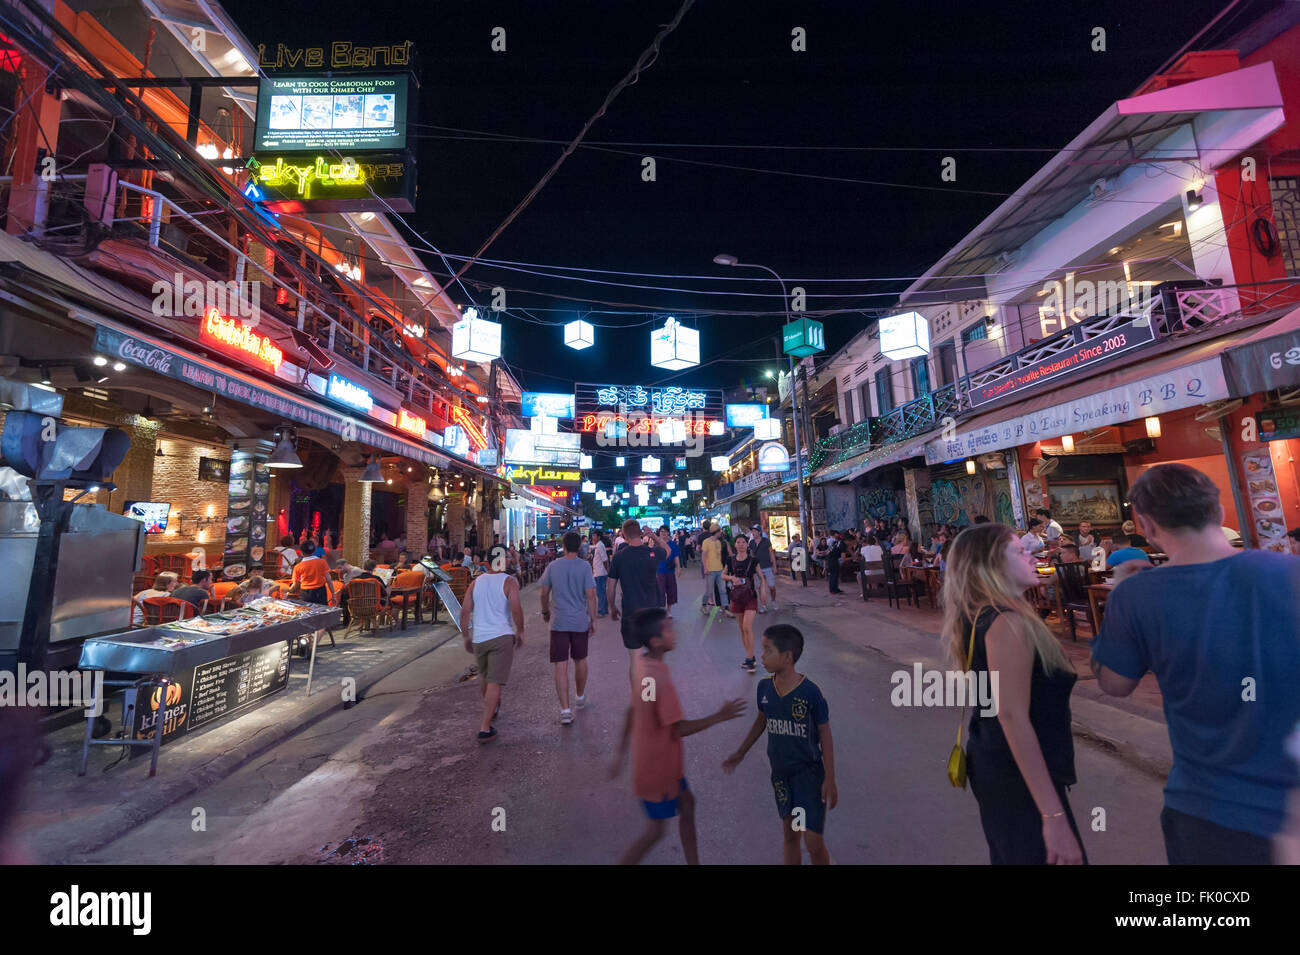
{"x": 794, "y": 713}
{"x": 1220, "y": 629}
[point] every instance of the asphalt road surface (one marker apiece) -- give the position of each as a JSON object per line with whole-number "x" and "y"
{"x": 399, "y": 777}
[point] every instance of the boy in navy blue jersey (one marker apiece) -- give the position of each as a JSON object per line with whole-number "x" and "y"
{"x": 793, "y": 711}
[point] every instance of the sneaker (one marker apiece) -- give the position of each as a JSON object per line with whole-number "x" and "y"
{"x": 730, "y": 614}
{"x": 566, "y": 717}
{"x": 704, "y": 609}
{"x": 580, "y": 703}
{"x": 772, "y": 605}
{"x": 489, "y": 736}
{"x": 762, "y": 610}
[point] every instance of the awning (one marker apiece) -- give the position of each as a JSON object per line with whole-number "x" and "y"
{"x": 1156, "y": 383}
{"x": 1268, "y": 359}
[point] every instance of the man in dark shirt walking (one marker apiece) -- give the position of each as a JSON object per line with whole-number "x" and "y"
{"x": 636, "y": 567}
{"x": 833, "y": 561}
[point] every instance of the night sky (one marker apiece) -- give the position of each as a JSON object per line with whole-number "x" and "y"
{"x": 998, "y": 86}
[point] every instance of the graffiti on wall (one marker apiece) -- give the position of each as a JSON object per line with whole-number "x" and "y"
{"x": 962, "y": 500}
{"x": 840, "y": 511}
{"x": 878, "y": 502}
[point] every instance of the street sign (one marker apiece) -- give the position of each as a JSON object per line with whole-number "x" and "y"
{"x": 803, "y": 337}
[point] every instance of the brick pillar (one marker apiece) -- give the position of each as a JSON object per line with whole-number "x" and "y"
{"x": 356, "y": 517}
{"x": 417, "y": 517}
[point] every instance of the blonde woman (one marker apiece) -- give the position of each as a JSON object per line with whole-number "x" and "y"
{"x": 1021, "y": 760}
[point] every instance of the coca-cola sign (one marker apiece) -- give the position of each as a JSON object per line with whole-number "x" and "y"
{"x": 155, "y": 359}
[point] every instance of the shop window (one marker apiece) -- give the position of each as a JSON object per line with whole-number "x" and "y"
{"x": 1286, "y": 216}
{"x": 920, "y": 377}
{"x": 884, "y": 391}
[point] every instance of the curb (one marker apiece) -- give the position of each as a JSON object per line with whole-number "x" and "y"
{"x": 69, "y": 840}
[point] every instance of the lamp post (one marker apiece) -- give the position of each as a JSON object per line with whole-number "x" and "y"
{"x": 731, "y": 260}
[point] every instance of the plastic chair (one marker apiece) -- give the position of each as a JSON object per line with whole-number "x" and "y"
{"x": 406, "y": 592}
{"x": 158, "y": 610}
{"x": 178, "y": 564}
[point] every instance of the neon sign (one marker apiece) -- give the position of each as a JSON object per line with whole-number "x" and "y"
{"x": 411, "y": 423}
{"x": 641, "y": 424}
{"x": 326, "y": 173}
{"x": 340, "y": 389}
{"x": 466, "y": 420}
{"x": 233, "y": 333}
{"x": 665, "y": 401}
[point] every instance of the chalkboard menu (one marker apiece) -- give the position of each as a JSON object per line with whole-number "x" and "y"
{"x": 212, "y": 691}
{"x": 225, "y": 685}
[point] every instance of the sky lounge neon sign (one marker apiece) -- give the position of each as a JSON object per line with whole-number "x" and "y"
{"x": 232, "y": 333}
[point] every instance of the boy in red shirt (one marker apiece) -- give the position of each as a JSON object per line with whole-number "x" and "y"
{"x": 656, "y": 722}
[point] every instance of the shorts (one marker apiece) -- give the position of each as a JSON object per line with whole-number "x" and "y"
{"x": 625, "y": 628}
{"x": 566, "y": 642}
{"x": 802, "y": 789}
{"x": 664, "y": 808}
{"x": 751, "y": 604}
{"x": 667, "y": 588}
{"x": 770, "y": 576}
{"x": 493, "y": 658}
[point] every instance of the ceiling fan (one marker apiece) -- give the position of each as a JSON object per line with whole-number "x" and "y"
{"x": 1217, "y": 409}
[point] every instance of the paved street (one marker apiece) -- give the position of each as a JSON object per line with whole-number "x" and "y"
{"x": 402, "y": 769}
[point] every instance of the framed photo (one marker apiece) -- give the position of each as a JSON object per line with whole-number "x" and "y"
{"x": 1095, "y": 501}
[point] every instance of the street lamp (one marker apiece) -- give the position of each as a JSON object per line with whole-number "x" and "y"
{"x": 731, "y": 260}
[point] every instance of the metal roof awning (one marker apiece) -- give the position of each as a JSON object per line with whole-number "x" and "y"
{"x": 1268, "y": 359}
{"x": 1130, "y": 131}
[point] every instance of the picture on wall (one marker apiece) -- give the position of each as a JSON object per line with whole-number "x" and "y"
{"x": 1095, "y": 501}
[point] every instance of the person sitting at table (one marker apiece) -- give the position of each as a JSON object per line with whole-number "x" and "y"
{"x": 915, "y": 557}
{"x": 1070, "y": 553}
{"x": 943, "y": 555}
{"x": 1134, "y": 538}
{"x": 901, "y": 543}
{"x": 254, "y": 588}
{"x": 468, "y": 559}
{"x": 1033, "y": 541}
{"x": 163, "y": 585}
{"x": 367, "y": 574}
{"x": 196, "y": 592}
{"x": 1122, "y": 551}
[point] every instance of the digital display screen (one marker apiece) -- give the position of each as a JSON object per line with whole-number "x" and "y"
{"x": 744, "y": 415}
{"x": 331, "y": 113}
{"x": 152, "y": 514}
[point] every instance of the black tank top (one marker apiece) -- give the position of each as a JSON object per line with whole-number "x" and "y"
{"x": 1049, "y": 714}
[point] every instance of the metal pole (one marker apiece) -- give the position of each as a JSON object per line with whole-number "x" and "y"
{"x": 794, "y": 411}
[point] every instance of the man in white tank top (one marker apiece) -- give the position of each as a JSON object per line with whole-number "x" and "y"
{"x": 492, "y": 626}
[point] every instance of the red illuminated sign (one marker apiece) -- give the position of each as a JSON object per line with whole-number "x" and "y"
{"x": 232, "y": 333}
{"x": 411, "y": 423}
{"x": 641, "y": 424}
{"x": 465, "y": 419}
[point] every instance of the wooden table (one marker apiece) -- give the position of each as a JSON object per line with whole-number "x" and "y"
{"x": 927, "y": 575}
{"x": 1097, "y": 597}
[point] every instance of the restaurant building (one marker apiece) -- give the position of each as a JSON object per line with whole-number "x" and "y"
{"x": 1078, "y": 335}
{"x": 153, "y": 284}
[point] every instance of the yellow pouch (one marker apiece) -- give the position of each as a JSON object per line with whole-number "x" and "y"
{"x": 957, "y": 758}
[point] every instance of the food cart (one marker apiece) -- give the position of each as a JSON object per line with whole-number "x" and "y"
{"x": 189, "y": 674}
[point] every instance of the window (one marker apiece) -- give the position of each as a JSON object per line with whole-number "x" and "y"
{"x": 864, "y": 400}
{"x": 884, "y": 391}
{"x": 946, "y": 363}
{"x": 975, "y": 332}
{"x": 920, "y": 376}
{"x": 1286, "y": 216}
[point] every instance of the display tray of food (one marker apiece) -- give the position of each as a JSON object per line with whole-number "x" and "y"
{"x": 183, "y": 644}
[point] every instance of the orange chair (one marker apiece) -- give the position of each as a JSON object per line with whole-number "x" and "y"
{"x": 223, "y": 588}
{"x": 178, "y": 564}
{"x": 165, "y": 609}
{"x": 406, "y": 592}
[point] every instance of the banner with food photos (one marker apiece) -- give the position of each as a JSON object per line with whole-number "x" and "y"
{"x": 247, "y": 495}
{"x": 1266, "y": 516}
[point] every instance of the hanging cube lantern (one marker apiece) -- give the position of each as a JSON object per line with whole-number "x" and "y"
{"x": 695, "y": 484}
{"x": 584, "y": 462}
{"x": 620, "y": 461}
{"x": 650, "y": 465}
{"x": 588, "y": 487}
{"x": 716, "y": 427}
{"x": 671, "y": 485}
{"x": 674, "y": 346}
{"x": 579, "y": 334}
{"x": 904, "y": 336}
{"x": 475, "y": 339}
{"x": 721, "y": 462}
{"x": 767, "y": 429}
{"x": 803, "y": 337}
{"x": 672, "y": 431}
